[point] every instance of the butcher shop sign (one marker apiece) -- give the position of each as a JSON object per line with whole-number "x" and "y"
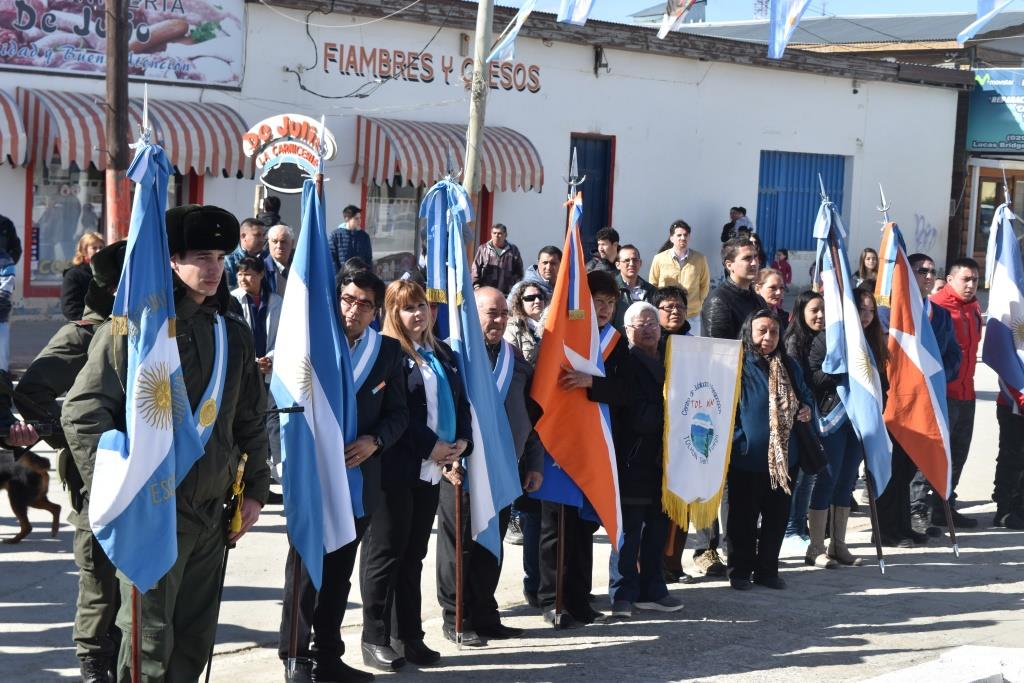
{"x": 287, "y": 150}
{"x": 186, "y": 41}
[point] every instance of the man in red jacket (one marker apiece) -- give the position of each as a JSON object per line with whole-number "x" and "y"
{"x": 958, "y": 297}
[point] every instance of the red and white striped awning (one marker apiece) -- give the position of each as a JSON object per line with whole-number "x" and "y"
{"x": 201, "y": 136}
{"x": 417, "y": 151}
{"x": 13, "y": 142}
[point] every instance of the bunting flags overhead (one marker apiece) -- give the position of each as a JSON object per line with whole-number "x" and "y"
{"x": 505, "y": 47}
{"x": 784, "y": 15}
{"x": 987, "y": 10}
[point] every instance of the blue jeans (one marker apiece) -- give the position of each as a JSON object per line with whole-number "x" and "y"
{"x": 645, "y": 530}
{"x": 835, "y": 484}
{"x": 529, "y": 522}
{"x": 797, "y": 525}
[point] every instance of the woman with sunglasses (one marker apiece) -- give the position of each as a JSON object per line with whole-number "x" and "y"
{"x": 438, "y": 435}
{"x": 526, "y": 305}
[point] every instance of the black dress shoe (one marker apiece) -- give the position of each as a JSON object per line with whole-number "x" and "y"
{"x": 499, "y": 631}
{"x": 894, "y": 541}
{"x": 531, "y": 599}
{"x": 740, "y": 583}
{"x": 95, "y": 670}
{"x": 382, "y": 657}
{"x": 589, "y": 616}
{"x": 469, "y": 638}
{"x": 921, "y": 523}
{"x": 298, "y": 670}
{"x": 959, "y": 521}
{"x": 776, "y": 582}
{"x": 917, "y": 538}
{"x": 337, "y": 671}
{"x": 559, "y": 621}
{"x": 416, "y": 652}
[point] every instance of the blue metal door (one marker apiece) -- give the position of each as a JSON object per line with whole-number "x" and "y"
{"x": 594, "y": 159}
{"x": 789, "y": 195}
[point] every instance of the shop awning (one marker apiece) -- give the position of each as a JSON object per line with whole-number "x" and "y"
{"x": 13, "y": 143}
{"x": 417, "y": 150}
{"x": 201, "y": 136}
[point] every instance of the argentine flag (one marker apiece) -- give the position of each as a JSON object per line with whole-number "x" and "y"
{"x": 987, "y": 10}
{"x": 504, "y": 49}
{"x": 1004, "y": 332}
{"x": 492, "y": 471}
{"x": 847, "y": 353}
{"x": 312, "y": 369}
{"x": 574, "y": 11}
{"x": 132, "y": 508}
{"x": 784, "y": 15}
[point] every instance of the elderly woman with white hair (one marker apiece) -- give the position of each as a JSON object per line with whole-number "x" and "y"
{"x": 636, "y": 575}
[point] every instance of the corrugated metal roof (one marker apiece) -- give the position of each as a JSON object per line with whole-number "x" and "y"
{"x": 909, "y": 28}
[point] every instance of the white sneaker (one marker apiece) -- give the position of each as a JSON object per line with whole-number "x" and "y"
{"x": 623, "y": 609}
{"x": 666, "y": 604}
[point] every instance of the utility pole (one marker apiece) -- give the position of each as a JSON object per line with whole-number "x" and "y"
{"x": 118, "y": 206}
{"x": 478, "y": 103}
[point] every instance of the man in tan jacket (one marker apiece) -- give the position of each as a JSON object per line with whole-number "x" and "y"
{"x": 686, "y": 268}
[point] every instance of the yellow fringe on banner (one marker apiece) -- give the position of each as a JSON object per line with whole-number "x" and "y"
{"x": 437, "y": 296}
{"x": 701, "y": 513}
{"x": 576, "y": 314}
{"x": 119, "y": 325}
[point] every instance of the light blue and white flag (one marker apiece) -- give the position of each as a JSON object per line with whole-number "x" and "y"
{"x": 784, "y": 15}
{"x": 1004, "y": 333}
{"x": 674, "y": 16}
{"x": 987, "y": 10}
{"x": 492, "y": 471}
{"x": 504, "y": 49}
{"x": 312, "y": 369}
{"x": 848, "y": 354}
{"x": 132, "y": 509}
{"x": 575, "y": 12}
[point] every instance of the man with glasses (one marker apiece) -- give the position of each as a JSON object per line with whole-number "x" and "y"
{"x": 632, "y": 287}
{"x": 942, "y": 325}
{"x": 959, "y": 300}
{"x": 382, "y": 416}
{"x": 684, "y": 267}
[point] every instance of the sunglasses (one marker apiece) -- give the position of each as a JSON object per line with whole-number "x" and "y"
{"x": 530, "y": 298}
{"x": 927, "y": 271}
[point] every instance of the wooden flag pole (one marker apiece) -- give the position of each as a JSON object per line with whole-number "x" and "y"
{"x": 869, "y": 481}
{"x": 136, "y": 657}
{"x": 458, "y": 565}
{"x": 560, "y": 571}
{"x": 293, "y": 631}
{"x": 951, "y": 527}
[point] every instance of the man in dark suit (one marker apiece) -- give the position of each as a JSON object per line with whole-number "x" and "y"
{"x": 382, "y": 418}
{"x": 481, "y": 569}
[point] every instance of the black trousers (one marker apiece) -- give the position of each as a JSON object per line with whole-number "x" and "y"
{"x": 391, "y": 564}
{"x": 322, "y": 611}
{"x": 752, "y": 550}
{"x": 579, "y": 559}
{"x": 894, "y": 504}
{"x": 1008, "y": 491}
{"x": 480, "y": 569}
{"x": 961, "y": 431}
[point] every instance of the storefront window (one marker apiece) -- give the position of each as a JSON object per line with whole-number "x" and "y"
{"x": 394, "y": 226}
{"x": 66, "y": 204}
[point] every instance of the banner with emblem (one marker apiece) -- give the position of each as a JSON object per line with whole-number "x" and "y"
{"x": 702, "y": 387}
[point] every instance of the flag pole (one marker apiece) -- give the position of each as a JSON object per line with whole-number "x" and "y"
{"x": 560, "y": 619}
{"x": 458, "y": 566}
{"x": 869, "y": 482}
{"x": 951, "y": 527}
{"x": 136, "y": 658}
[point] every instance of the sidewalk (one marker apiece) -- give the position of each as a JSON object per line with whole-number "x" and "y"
{"x": 842, "y": 625}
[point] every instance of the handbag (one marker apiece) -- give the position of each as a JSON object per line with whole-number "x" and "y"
{"x": 812, "y": 453}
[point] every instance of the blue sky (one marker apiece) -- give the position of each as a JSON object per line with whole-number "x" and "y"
{"x": 736, "y": 10}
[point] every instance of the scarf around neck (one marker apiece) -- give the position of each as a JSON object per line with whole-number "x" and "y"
{"x": 782, "y": 409}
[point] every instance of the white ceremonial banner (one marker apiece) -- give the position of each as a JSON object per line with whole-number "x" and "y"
{"x": 702, "y": 387}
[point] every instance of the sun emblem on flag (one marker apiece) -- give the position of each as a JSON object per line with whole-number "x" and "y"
{"x": 208, "y": 413}
{"x": 306, "y": 378}
{"x": 1018, "y": 332}
{"x": 864, "y": 367}
{"x": 156, "y": 401}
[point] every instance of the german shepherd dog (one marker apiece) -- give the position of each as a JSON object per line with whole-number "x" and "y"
{"x": 27, "y": 481}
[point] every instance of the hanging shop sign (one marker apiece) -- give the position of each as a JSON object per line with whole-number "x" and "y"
{"x": 287, "y": 150}
{"x": 199, "y": 42}
{"x": 995, "y": 120}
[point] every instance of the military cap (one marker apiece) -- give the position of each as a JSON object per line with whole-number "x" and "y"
{"x": 192, "y": 227}
{"x": 107, "y": 264}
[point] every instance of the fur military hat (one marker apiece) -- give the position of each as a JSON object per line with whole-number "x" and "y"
{"x": 107, "y": 264}
{"x": 192, "y": 227}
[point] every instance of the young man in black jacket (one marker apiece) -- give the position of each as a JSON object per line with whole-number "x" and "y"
{"x": 382, "y": 416}
{"x": 722, "y": 317}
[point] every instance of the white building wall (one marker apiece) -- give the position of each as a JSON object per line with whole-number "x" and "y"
{"x": 688, "y": 133}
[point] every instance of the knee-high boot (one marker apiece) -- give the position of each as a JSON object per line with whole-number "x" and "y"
{"x": 816, "y": 522}
{"x": 837, "y": 549}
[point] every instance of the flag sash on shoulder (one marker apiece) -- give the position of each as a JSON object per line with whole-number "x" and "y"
{"x": 364, "y": 357}
{"x": 504, "y": 368}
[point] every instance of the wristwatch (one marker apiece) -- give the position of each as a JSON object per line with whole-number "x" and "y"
{"x": 379, "y": 443}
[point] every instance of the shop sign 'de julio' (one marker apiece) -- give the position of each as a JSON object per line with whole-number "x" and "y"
{"x": 186, "y": 41}
{"x": 287, "y": 150}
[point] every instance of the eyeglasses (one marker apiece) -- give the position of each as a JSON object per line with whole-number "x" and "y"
{"x": 364, "y": 305}
{"x": 668, "y": 308}
{"x": 530, "y": 298}
{"x": 645, "y": 325}
{"x": 926, "y": 271}
{"x": 629, "y": 260}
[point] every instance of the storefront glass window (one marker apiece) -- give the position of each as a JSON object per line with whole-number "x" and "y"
{"x": 394, "y": 226}
{"x": 67, "y": 203}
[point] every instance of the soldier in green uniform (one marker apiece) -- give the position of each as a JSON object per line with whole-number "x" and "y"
{"x": 51, "y": 374}
{"x": 178, "y": 616}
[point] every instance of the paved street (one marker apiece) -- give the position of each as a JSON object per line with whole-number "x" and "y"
{"x": 842, "y": 625}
